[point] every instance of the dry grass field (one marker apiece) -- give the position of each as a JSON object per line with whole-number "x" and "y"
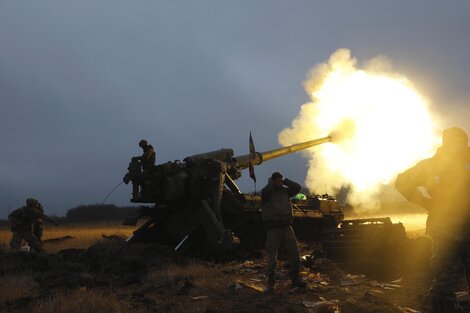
{"x": 84, "y": 235}
{"x": 96, "y": 271}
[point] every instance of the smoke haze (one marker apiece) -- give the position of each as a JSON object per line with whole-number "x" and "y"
{"x": 379, "y": 123}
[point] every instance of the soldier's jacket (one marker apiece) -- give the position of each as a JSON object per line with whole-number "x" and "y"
{"x": 448, "y": 184}
{"x": 23, "y": 218}
{"x": 148, "y": 157}
{"x": 277, "y": 207}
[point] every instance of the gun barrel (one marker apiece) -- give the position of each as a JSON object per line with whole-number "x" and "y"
{"x": 243, "y": 161}
{"x": 268, "y": 155}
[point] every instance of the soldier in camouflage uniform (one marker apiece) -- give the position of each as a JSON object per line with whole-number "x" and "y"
{"x": 147, "y": 159}
{"x": 277, "y": 216}
{"x": 446, "y": 179}
{"x": 22, "y": 221}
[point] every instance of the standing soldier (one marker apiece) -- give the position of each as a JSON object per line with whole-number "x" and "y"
{"x": 277, "y": 216}
{"x": 22, "y": 221}
{"x": 446, "y": 180}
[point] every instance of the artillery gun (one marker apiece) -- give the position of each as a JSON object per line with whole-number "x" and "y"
{"x": 199, "y": 208}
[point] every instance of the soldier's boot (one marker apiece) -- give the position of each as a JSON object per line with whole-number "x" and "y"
{"x": 271, "y": 283}
{"x": 297, "y": 280}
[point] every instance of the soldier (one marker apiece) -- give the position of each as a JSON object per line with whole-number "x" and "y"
{"x": 446, "y": 180}
{"x": 22, "y": 221}
{"x": 277, "y": 216}
{"x": 137, "y": 167}
{"x": 147, "y": 159}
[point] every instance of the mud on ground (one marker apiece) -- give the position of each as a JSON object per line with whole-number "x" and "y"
{"x": 111, "y": 276}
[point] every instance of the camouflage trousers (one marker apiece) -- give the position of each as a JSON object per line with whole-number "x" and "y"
{"x": 19, "y": 236}
{"x": 450, "y": 260}
{"x": 276, "y": 238}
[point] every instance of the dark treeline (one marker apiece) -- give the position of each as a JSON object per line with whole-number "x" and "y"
{"x": 92, "y": 213}
{"x": 96, "y": 213}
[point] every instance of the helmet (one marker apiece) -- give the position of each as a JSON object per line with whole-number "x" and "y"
{"x": 143, "y": 143}
{"x": 31, "y": 202}
{"x": 454, "y": 135}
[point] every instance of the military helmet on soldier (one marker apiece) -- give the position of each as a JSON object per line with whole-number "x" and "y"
{"x": 143, "y": 143}
{"x": 454, "y": 135}
{"x": 31, "y": 202}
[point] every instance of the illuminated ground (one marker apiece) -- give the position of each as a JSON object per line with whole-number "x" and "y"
{"x": 109, "y": 277}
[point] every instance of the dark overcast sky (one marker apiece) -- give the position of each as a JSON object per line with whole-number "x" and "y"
{"x": 82, "y": 81}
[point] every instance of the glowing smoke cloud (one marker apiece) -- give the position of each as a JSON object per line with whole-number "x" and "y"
{"x": 380, "y": 125}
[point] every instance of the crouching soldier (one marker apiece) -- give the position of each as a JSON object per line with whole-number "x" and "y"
{"x": 277, "y": 216}
{"x": 22, "y": 221}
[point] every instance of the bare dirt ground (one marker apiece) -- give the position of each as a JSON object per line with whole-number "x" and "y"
{"x": 95, "y": 271}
